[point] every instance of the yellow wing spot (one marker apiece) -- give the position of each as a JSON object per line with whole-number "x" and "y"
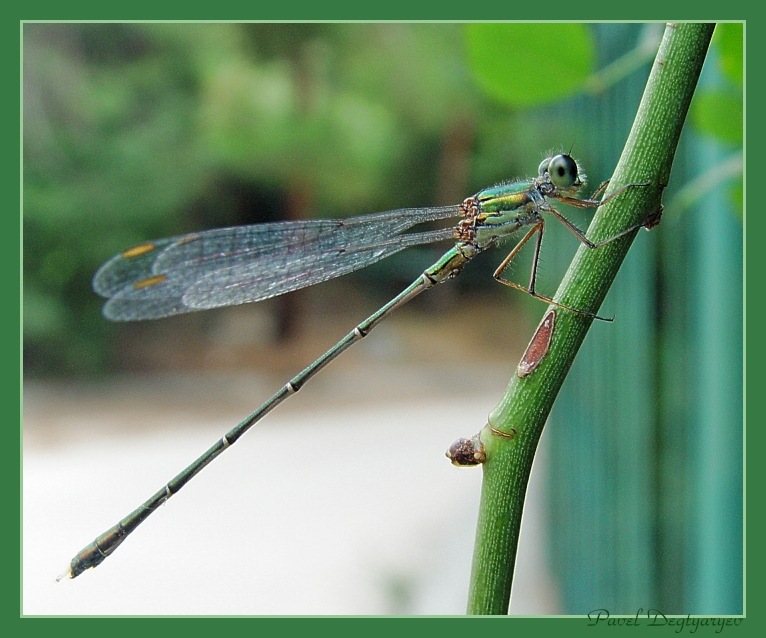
{"x": 138, "y": 250}
{"x": 150, "y": 281}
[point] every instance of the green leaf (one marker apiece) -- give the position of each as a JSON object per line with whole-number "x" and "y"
{"x": 728, "y": 37}
{"x": 526, "y": 64}
{"x": 718, "y": 113}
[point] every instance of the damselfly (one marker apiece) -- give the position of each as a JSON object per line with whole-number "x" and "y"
{"x": 244, "y": 264}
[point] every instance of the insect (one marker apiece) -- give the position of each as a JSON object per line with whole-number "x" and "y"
{"x": 230, "y": 266}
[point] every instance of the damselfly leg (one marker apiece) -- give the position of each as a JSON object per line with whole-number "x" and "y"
{"x": 538, "y": 229}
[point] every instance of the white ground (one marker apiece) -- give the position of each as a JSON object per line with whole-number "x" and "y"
{"x": 340, "y": 502}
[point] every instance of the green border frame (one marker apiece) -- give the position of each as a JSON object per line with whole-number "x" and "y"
{"x": 76, "y": 11}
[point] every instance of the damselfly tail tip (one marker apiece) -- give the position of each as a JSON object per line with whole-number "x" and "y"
{"x": 66, "y": 574}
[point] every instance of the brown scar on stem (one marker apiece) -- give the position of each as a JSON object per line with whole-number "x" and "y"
{"x": 538, "y": 346}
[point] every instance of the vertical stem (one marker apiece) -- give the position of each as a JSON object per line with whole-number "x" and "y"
{"x": 516, "y": 424}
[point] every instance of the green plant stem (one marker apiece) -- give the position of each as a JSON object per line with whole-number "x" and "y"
{"x": 515, "y": 425}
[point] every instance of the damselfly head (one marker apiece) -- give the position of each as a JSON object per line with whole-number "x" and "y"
{"x": 562, "y": 171}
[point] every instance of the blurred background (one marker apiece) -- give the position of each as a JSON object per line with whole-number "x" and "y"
{"x": 341, "y": 501}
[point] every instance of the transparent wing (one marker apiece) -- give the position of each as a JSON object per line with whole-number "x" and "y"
{"x": 229, "y": 266}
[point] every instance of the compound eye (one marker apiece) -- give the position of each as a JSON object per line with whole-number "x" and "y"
{"x": 562, "y": 170}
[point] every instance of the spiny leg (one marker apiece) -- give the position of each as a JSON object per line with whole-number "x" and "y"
{"x": 581, "y": 236}
{"x": 649, "y": 222}
{"x": 600, "y": 188}
{"x": 498, "y": 274}
{"x": 590, "y": 202}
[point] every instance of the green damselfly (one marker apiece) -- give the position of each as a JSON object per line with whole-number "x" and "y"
{"x": 244, "y": 264}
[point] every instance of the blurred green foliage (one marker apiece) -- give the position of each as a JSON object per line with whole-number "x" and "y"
{"x": 134, "y": 131}
{"x": 718, "y": 110}
{"x": 526, "y": 64}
